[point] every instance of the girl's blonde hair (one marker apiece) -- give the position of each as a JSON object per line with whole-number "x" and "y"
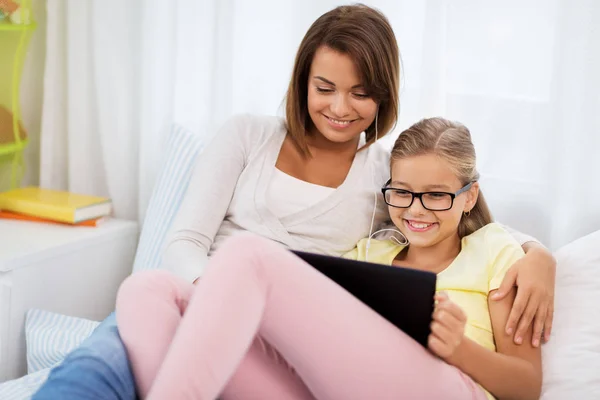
{"x": 450, "y": 141}
{"x": 364, "y": 34}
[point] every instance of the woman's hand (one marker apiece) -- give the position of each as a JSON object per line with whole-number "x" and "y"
{"x": 534, "y": 276}
{"x": 447, "y": 327}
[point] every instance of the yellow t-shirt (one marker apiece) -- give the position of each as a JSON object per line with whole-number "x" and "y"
{"x": 479, "y": 268}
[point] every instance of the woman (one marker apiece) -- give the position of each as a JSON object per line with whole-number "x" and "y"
{"x": 300, "y": 182}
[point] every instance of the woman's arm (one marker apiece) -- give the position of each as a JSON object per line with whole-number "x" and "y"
{"x": 513, "y": 372}
{"x": 207, "y": 199}
{"x": 534, "y": 276}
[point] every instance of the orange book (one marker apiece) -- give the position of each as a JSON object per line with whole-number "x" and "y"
{"x": 23, "y": 217}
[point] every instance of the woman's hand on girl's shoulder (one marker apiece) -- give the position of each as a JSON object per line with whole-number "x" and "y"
{"x": 534, "y": 275}
{"x": 447, "y": 327}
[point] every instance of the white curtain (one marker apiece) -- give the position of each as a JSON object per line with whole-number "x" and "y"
{"x": 521, "y": 74}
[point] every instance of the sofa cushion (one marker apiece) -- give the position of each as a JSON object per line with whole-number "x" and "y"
{"x": 571, "y": 360}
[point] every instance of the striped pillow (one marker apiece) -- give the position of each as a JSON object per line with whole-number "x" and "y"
{"x": 50, "y": 337}
{"x": 182, "y": 150}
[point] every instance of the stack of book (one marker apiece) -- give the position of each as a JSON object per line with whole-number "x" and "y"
{"x": 54, "y": 206}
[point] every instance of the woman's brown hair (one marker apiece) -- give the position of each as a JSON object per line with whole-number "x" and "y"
{"x": 366, "y": 36}
{"x": 450, "y": 141}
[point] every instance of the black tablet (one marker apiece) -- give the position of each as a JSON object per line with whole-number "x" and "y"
{"x": 403, "y": 296}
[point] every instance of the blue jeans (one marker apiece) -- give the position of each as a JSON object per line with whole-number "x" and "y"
{"x": 98, "y": 369}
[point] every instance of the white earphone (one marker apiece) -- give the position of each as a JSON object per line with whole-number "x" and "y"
{"x": 404, "y": 242}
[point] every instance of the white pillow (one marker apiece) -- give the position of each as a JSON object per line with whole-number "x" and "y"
{"x": 571, "y": 360}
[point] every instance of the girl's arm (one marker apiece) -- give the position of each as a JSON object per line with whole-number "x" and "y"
{"x": 534, "y": 276}
{"x": 207, "y": 199}
{"x": 513, "y": 372}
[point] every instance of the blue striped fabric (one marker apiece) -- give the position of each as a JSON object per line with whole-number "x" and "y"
{"x": 51, "y": 336}
{"x": 171, "y": 184}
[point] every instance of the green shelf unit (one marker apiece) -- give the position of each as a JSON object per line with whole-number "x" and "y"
{"x": 14, "y": 39}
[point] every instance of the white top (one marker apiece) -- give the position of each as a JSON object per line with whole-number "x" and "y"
{"x": 228, "y": 189}
{"x": 287, "y": 195}
{"x": 227, "y": 194}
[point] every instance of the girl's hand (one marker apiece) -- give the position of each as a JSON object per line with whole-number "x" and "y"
{"x": 534, "y": 276}
{"x": 447, "y": 327}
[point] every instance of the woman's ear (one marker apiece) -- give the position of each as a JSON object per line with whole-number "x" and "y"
{"x": 472, "y": 195}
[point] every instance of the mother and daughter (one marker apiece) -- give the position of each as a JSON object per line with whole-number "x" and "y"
{"x": 236, "y": 315}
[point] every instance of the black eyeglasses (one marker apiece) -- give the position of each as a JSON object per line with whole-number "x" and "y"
{"x": 432, "y": 201}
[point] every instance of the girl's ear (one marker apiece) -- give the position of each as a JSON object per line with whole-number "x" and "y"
{"x": 472, "y": 195}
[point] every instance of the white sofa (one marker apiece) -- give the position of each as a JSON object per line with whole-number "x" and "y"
{"x": 571, "y": 360}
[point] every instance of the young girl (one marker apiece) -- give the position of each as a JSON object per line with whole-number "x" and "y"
{"x": 261, "y": 324}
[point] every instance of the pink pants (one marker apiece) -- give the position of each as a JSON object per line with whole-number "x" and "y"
{"x": 262, "y": 324}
